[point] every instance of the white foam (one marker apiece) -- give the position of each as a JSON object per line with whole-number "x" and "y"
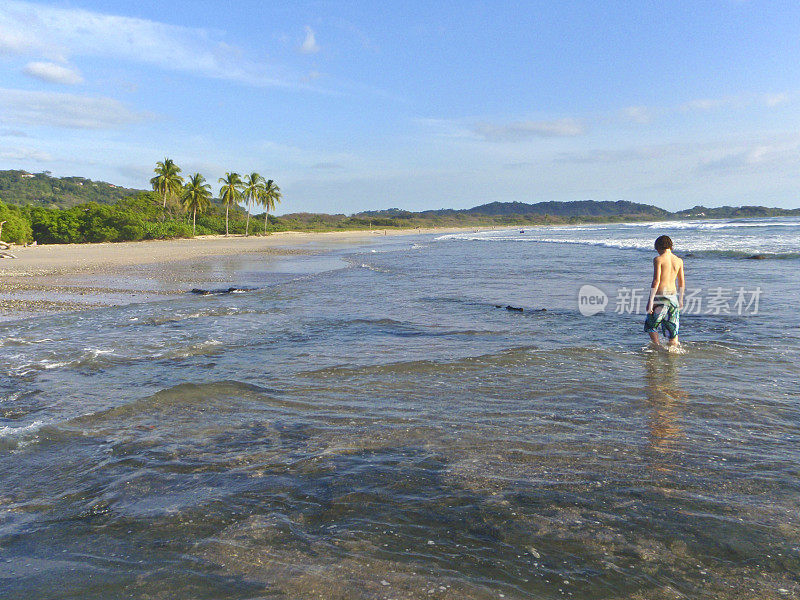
{"x": 712, "y": 225}
{"x": 15, "y": 341}
{"x": 374, "y": 268}
{"x": 757, "y": 237}
{"x": 8, "y": 431}
{"x": 197, "y": 349}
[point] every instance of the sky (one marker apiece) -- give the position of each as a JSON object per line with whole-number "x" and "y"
{"x": 354, "y": 106}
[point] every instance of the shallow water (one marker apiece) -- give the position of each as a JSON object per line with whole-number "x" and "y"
{"x": 369, "y": 424}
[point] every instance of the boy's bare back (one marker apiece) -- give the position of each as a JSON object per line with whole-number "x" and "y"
{"x": 666, "y": 269}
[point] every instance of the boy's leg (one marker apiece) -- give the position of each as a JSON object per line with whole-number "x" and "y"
{"x": 652, "y": 322}
{"x": 672, "y": 325}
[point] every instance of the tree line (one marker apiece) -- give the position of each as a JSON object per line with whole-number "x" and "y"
{"x": 195, "y": 194}
{"x": 175, "y": 208}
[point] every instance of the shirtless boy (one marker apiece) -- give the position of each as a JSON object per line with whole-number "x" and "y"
{"x": 665, "y": 303}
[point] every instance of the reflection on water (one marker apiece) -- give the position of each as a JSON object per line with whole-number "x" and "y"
{"x": 665, "y": 400}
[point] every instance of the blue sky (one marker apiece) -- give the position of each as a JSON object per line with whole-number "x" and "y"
{"x": 366, "y": 105}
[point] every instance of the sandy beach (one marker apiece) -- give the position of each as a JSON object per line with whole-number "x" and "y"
{"x": 63, "y": 277}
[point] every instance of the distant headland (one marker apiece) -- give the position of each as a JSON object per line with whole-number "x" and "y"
{"x": 47, "y": 209}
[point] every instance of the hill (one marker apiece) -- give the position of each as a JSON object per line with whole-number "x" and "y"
{"x": 580, "y": 208}
{"x": 576, "y": 209}
{"x": 734, "y": 212}
{"x": 42, "y": 189}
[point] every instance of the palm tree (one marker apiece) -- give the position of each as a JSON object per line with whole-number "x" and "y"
{"x": 230, "y": 193}
{"x": 196, "y": 197}
{"x": 254, "y": 186}
{"x": 271, "y": 194}
{"x": 167, "y": 181}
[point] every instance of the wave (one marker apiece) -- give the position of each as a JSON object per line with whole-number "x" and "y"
{"x": 12, "y": 438}
{"x": 708, "y": 249}
{"x": 93, "y": 358}
{"x": 207, "y": 347}
{"x": 214, "y": 397}
{"x": 370, "y": 267}
{"x": 179, "y": 403}
{"x": 15, "y": 341}
{"x": 741, "y": 247}
{"x": 714, "y": 225}
{"x": 9, "y": 431}
{"x": 178, "y": 317}
{"x": 747, "y": 254}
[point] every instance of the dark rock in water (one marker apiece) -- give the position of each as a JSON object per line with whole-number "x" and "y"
{"x": 758, "y": 257}
{"x": 689, "y": 254}
{"x": 518, "y": 308}
{"x": 229, "y": 290}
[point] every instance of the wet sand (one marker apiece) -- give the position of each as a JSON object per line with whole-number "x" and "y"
{"x": 64, "y": 277}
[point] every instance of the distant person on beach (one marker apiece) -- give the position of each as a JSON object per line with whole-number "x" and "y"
{"x": 666, "y": 300}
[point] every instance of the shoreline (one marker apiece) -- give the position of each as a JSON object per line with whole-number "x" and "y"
{"x": 51, "y": 278}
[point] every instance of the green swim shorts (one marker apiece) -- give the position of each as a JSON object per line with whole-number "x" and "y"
{"x": 667, "y": 314}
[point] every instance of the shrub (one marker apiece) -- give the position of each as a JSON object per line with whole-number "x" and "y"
{"x": 17, "y": 227}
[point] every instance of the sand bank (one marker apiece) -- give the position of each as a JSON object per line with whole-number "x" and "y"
{"x": 58, "y": 277}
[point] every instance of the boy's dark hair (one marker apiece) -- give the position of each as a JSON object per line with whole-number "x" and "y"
{"x": 663, "y": 242}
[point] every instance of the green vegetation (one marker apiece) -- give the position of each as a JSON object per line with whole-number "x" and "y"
{"x": 41, "y": 189}
{"x": 197, "y": 198}
{"x": 269, "y": 196}
{"x": 17, "y": 226}
{"x": 252, "y": 190}
{"x": 230, "y": 193}
{"x": 139, "y": 218}
{"x": 173, "y": 210}
{"x": 735, "y": 212}
{"x": 167, "y": 182}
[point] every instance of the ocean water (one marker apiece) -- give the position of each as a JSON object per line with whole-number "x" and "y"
{"x": 372, "y": 422}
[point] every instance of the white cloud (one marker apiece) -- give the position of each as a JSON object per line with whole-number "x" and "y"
{"x": 12, "y": 133}
{"x": 638, "y": 114}
{"x": 25, "y": 154}
{"x": 646, "y": 114}
{"x": 60, "y": 33}
{"x": 621, "y": 155}
{"x": 13, "y": 41}
{"x": 523, "y": 130}
{"x": 65, "y": 110}
{"x": 705, "y": 104}
{"x": 47, "y": 71}
{"x": 755, "y": 156}
{"x": 772, "y": 100}
{"x": 309, "y": 45}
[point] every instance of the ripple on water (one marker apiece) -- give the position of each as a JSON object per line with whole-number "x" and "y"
{"x": 355, "y": 441}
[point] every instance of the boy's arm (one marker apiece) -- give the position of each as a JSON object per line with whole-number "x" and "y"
{"x": 654, "y": 284}
{"x": 681, "y": 285}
